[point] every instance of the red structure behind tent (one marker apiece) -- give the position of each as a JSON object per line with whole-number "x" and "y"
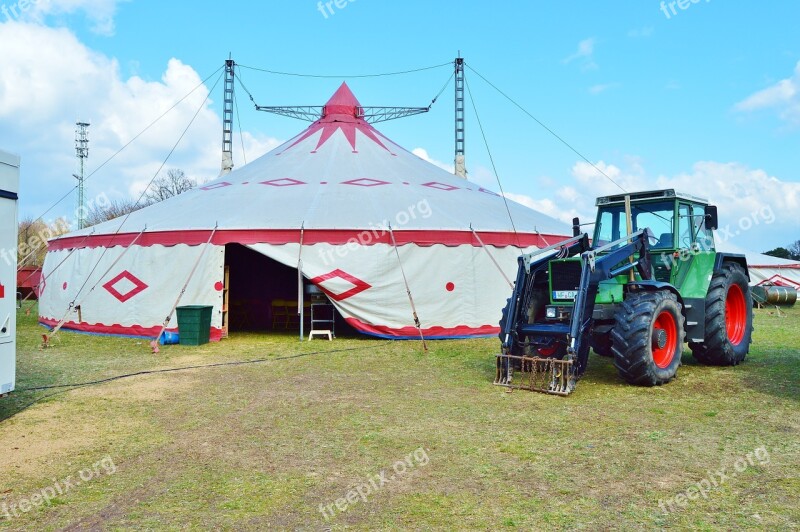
{"x": 28, "y": 279}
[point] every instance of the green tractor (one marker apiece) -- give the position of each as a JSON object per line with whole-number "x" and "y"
{"x": 649, "y": 282}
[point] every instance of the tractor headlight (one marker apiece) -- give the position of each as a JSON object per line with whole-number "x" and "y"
{"x": 551, "y": 312}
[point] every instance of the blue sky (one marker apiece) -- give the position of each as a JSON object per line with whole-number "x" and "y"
{"x": 706, "y": 99}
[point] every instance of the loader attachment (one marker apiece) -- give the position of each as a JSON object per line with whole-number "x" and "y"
{"x": 537, "y": 374}
{"x": 550, "y": 356}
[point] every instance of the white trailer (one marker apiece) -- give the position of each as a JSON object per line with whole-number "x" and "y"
{"x": 9, "y": 187}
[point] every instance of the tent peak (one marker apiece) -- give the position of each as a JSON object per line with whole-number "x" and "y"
{"x": 343, "y": 102}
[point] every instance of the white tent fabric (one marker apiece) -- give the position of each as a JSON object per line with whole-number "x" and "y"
{"x": 765, "y": 269}
{"x": 344, "y": 190}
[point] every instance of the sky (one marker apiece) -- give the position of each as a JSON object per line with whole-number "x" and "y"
{"x": 698, "y": 95}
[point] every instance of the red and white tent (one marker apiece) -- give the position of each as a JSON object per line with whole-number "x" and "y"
{"x": 767, "y": 270}
{"x": 341, "y": 202}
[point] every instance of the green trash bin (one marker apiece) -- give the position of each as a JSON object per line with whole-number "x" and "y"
{"x": 194, "y": 324}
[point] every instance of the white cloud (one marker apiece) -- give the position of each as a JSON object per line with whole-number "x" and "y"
{"x": 100, "y": 13}
{"x": 50, "y": 80}
{"x": 422, "y": 153}
{"x": 584, "y": 54}
{"x": 760, "y": 210}
{"x": 254, "y": 147}
{"x": 603, "y": 87}
{"x": 742, "y": 192}
{"x": 545, "y": 205}
{"x": 783, "y": 96}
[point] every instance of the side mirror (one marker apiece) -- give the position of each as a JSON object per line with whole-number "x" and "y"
{"x": 712, "y": 220}
{"x": 576, "y": 226}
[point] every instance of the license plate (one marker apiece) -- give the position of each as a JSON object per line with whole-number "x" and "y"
{"x": 565, "y": 294}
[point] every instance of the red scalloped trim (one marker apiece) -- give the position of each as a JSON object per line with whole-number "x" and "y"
{"x": 121, "y": 330}
{"x": 335, "y": 237}
{"x": 430, "y": 332}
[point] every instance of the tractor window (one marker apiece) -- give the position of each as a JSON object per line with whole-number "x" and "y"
{"x": 607, "y": 227}
{"x": 658, "y": 217}
{"x": 702, "y": 236}
{"x": 686, "y": 226}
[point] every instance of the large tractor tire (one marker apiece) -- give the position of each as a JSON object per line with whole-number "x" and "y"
{"x": 648, "y": 336}
{"x": 729, "y": 319}
{"x": 601, "y": 344}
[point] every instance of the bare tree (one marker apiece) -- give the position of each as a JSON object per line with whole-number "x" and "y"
{"x": 114, "y": 209}
{"x": 172, "y": 184}
{"x": 794, "y": 250}
{"x": 32, "y": 239}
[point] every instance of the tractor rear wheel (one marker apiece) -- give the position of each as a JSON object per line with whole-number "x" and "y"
{"x": 648, "y": 336}
{"x": 729, "y": 319}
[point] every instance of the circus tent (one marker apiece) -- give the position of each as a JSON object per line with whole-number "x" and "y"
{"x": 345, "y": 206}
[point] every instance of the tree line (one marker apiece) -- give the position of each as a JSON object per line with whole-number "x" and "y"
{"x": 791, "y": 252}
{"x": 33, "y": 233}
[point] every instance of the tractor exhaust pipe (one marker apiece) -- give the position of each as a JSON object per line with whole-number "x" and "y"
{"x": 576, "y": 227}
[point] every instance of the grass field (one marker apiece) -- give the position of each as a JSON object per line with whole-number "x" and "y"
{"x": 273, "y": 445}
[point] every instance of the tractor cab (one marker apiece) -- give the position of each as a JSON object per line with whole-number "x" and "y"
{"x": 680, "y": 225}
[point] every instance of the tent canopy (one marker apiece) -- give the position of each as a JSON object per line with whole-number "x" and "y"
{"x": 337, "y": 178}
{"x": 340, "y": 202}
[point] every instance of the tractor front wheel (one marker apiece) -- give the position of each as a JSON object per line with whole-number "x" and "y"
{"x": 647, "y": 339}
{"x": 729, "y": 319}
{"x": 601, "y": 344}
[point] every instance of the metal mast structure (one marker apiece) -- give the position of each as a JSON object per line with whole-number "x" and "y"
{"x": 82, "y": 152}
{"x": 460, "y": 162}
{"x": 371, "y": 114}
{"x": 227, "y": 119}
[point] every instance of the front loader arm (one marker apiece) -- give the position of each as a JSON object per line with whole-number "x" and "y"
{"x": 528, "y": 266}
{"x": 597, "y": 268}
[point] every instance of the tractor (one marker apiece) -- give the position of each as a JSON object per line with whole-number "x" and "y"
{"x": 648, "y": 281}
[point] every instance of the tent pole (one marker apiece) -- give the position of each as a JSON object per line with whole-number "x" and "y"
{"x": 227, "y": 117}
{"x": 459, "y": 161}
{"x": 300, "y": 294}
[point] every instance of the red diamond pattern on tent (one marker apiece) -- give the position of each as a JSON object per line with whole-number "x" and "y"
{"x": 488, "y": 192}
{"x": 334, "y": 281}
{"x": 114, "y": 287}
{"x": 365, "y": 182}
{"x": 221, "y": 184}
{"x": 440, "y": 186}
{"x": 283, "y": 182}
